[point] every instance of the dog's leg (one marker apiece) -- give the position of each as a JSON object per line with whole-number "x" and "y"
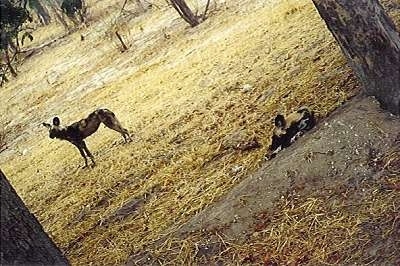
{"x": 114, "y": 124}
{"x": 79, "y": 146}
{"x": 126, "y": 136}
{"x": 85, "y": 148}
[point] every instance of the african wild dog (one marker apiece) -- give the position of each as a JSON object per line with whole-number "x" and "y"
{"x": 288, "y": 129}
{"x": 78, "y": 131}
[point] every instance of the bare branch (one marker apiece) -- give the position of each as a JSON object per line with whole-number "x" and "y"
{"x": 206, "y": 9}
{"x": 124, "y": 47}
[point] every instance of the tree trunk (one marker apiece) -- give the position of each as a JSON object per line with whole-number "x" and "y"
{"x": 22, "y": 240}
{"x": 368, "y": 38}
{"x": 185, "y": 12}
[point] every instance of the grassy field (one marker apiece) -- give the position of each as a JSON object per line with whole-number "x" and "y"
{"x": 190, "y": 98}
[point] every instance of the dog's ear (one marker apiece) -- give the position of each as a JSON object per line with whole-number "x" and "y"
{"x": 280, "y": 121}
{"x": 56, "y": 121}
{"x": 46, "y": 125}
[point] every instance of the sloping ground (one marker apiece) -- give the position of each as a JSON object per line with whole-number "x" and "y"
{"x": 192, "y": 98}
{"x": 331, "y": 198}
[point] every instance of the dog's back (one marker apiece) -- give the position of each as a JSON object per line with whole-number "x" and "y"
{"x": 90, "y": 124}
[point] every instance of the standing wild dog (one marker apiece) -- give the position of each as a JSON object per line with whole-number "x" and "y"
{"x": 78, "y": 131}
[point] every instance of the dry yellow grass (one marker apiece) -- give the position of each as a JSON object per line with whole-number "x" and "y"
{"x": 332, "y": 225}
{"x": 184, "y": 102}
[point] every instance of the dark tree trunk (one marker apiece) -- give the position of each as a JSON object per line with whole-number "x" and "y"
{"x": 22, "y": 240}
{"x": 185, "y": 12}
{"x": 368, "y": 38}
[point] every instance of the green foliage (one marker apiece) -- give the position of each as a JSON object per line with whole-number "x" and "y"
{"x": 13, "y": 15}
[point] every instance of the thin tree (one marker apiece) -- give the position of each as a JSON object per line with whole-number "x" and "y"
{"x": 187, "y": 14}
{"x": 23, "y": 240}
{"x": 13, "y": 15}
{"x": 369, "y": 40}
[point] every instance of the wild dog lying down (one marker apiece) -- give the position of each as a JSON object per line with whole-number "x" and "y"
{"x": 288, "y": 130}
{"x": 78, "y": 131}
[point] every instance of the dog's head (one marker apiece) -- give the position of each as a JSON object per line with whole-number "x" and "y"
{"x": 54, "y": 129}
